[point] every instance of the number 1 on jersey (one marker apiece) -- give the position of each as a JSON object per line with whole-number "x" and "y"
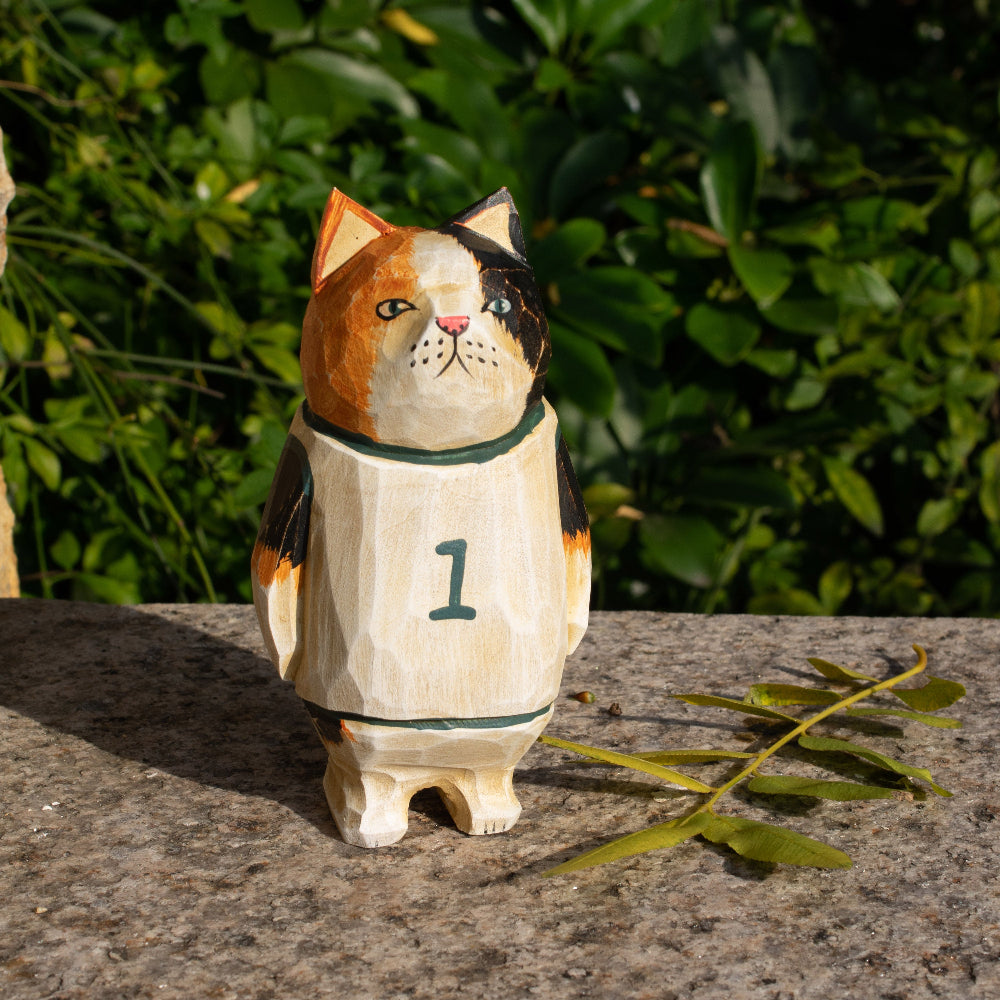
{"x": 454, "y": 608}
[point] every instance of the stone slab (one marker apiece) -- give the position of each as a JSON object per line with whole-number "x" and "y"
{"x": 164, "y": 832}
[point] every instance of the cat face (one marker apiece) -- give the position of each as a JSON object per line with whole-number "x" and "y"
{"x": 423, "y": 338}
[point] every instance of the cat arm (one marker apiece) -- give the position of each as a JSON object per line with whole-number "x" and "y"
{"x": 576, "y": 545}
{"x": 279, "y": 556}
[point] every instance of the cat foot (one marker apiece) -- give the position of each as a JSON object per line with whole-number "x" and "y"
{"x": 370, "y": 809}
{"x": 482, "y": 802}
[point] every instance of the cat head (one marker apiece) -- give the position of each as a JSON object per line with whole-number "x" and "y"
{"x": 425, "y": 338}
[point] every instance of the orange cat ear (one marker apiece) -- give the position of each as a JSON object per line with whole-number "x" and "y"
{"x": 345, "y": 229}
{"x": 495, "y": 218}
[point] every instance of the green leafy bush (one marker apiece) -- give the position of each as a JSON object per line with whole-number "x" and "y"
{"x": 769, "y": 241}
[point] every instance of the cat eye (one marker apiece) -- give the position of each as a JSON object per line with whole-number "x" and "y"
{"x": 391, "y": 308}
{"x": 500, "y": 307}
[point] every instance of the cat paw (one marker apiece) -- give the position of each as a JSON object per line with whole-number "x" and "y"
{"x": 482, "y": 802}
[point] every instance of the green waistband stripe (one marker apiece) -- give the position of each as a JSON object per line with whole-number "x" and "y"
{"x": 486, "y": 722}
{"x": 475, "y": 453}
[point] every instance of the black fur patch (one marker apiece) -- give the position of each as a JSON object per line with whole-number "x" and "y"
{"x": 327, "y": 724}
{"x": 284, "y": 528}
{"x": 572, "y": 511}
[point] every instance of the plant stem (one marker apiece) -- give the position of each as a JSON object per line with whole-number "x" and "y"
{"x": 706, "y": 806}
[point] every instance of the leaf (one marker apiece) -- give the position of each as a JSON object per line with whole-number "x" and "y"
{"x": 775, "y": 844}
{"x": 692, "y": 756}
{"x": 937, "y": 516}
{"x": 630, "y": 761}
{"x": 938, "y": 721}
{"x": 619, "y": 307}
{"x": 548, "y": 24}
{"x": 726, "y": 334}
{"x": 566, "y": 248}
{"x": 777, "y": 364}
{"x": 585, "y": 166}
{"x": 835, "y": 585}
{"x": 607, "y": 21}
{"x": 746, "y": 84}
{"x": 473, "y": 105}
{"x": 87, "y": 440}
{"x": 683, "y": 546}
{"x": 216, "y": 238}
{"x": 833, "y": 672}
{"x": 936, "y": 693}
{"x": 409, "y": 27}
{"x": 686, "y": 29}
{"x": 603, "y": 499}
{"x": 742, "y": 487}
{"x": 790, "y": 601}
{"x": 790, "y": 694}
{"x": 14, "y": 338}
{"x": 65, "y": 550}
{"x": 854, "y": 284}
{"x": 733, "y": 705}
{"x": 729, "y": 179}
{"x": 270, "y": 16}
{"x": 981, "y": 315}
{"x": 810, "y": 316}
{"x": 989, "y": 490}
{"x": 279, "y": 360}
{"x": 346, "y": 75}
{"x": 855, "y": 493}
{"x": 830, "y": 743}
{"x": 838, "y": 791}
{"x": 227, "y": 74}
{"x": 580, "y": 371}
{"x": 795, "y": 78}
{"x": 668, "y": 834}
{"x": 253, "y": 488}
{"x": 43, "y": 461}
{"x": 766, "y": 274}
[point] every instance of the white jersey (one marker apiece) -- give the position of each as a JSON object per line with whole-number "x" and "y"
{"x": 435, "y": 582}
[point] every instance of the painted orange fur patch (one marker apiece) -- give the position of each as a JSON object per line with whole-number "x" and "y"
{"x": 340, "y": 338}
{"x": 268, "y": 569}
{"x": 577, "y": 543}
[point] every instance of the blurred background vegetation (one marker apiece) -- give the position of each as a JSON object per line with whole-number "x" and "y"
{"x": 768, "y": 234}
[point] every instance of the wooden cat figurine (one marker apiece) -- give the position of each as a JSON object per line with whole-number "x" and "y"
{"x": 423, "y": 564}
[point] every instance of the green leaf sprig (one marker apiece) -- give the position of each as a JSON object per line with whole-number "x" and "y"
{"x": 764, "y": 841}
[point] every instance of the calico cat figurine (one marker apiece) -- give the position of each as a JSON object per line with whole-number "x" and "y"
{"x": 422, "y": 569}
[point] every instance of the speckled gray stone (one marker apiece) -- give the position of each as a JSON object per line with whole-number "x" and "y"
{"x": 164, "y": 831}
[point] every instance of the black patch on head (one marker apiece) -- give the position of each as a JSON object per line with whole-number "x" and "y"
{"x": 503, "y": 275}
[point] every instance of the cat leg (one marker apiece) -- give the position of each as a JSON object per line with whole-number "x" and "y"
{"x": 481, "y": 801}
{"x": 369, "y": 807}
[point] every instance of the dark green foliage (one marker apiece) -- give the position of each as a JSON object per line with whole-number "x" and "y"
{"x": 769, "y": 240}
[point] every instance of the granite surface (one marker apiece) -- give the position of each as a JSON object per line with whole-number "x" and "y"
{"x": 164, "y": 831}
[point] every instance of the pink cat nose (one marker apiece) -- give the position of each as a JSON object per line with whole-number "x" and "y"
{"x": 453, "y": 325}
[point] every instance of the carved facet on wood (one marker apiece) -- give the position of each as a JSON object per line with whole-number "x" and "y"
{"x": 423, "y": 564}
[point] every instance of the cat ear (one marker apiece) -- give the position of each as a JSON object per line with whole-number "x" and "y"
{"x": 345, "y": 229}
{"x": 495, "y": 218}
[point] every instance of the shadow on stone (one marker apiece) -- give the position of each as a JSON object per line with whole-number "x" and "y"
{"x": 188, "y": 701}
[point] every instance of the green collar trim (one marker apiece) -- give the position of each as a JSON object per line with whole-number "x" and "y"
{"x": 321, "y": 716}
{"x": 476, "y": 453}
